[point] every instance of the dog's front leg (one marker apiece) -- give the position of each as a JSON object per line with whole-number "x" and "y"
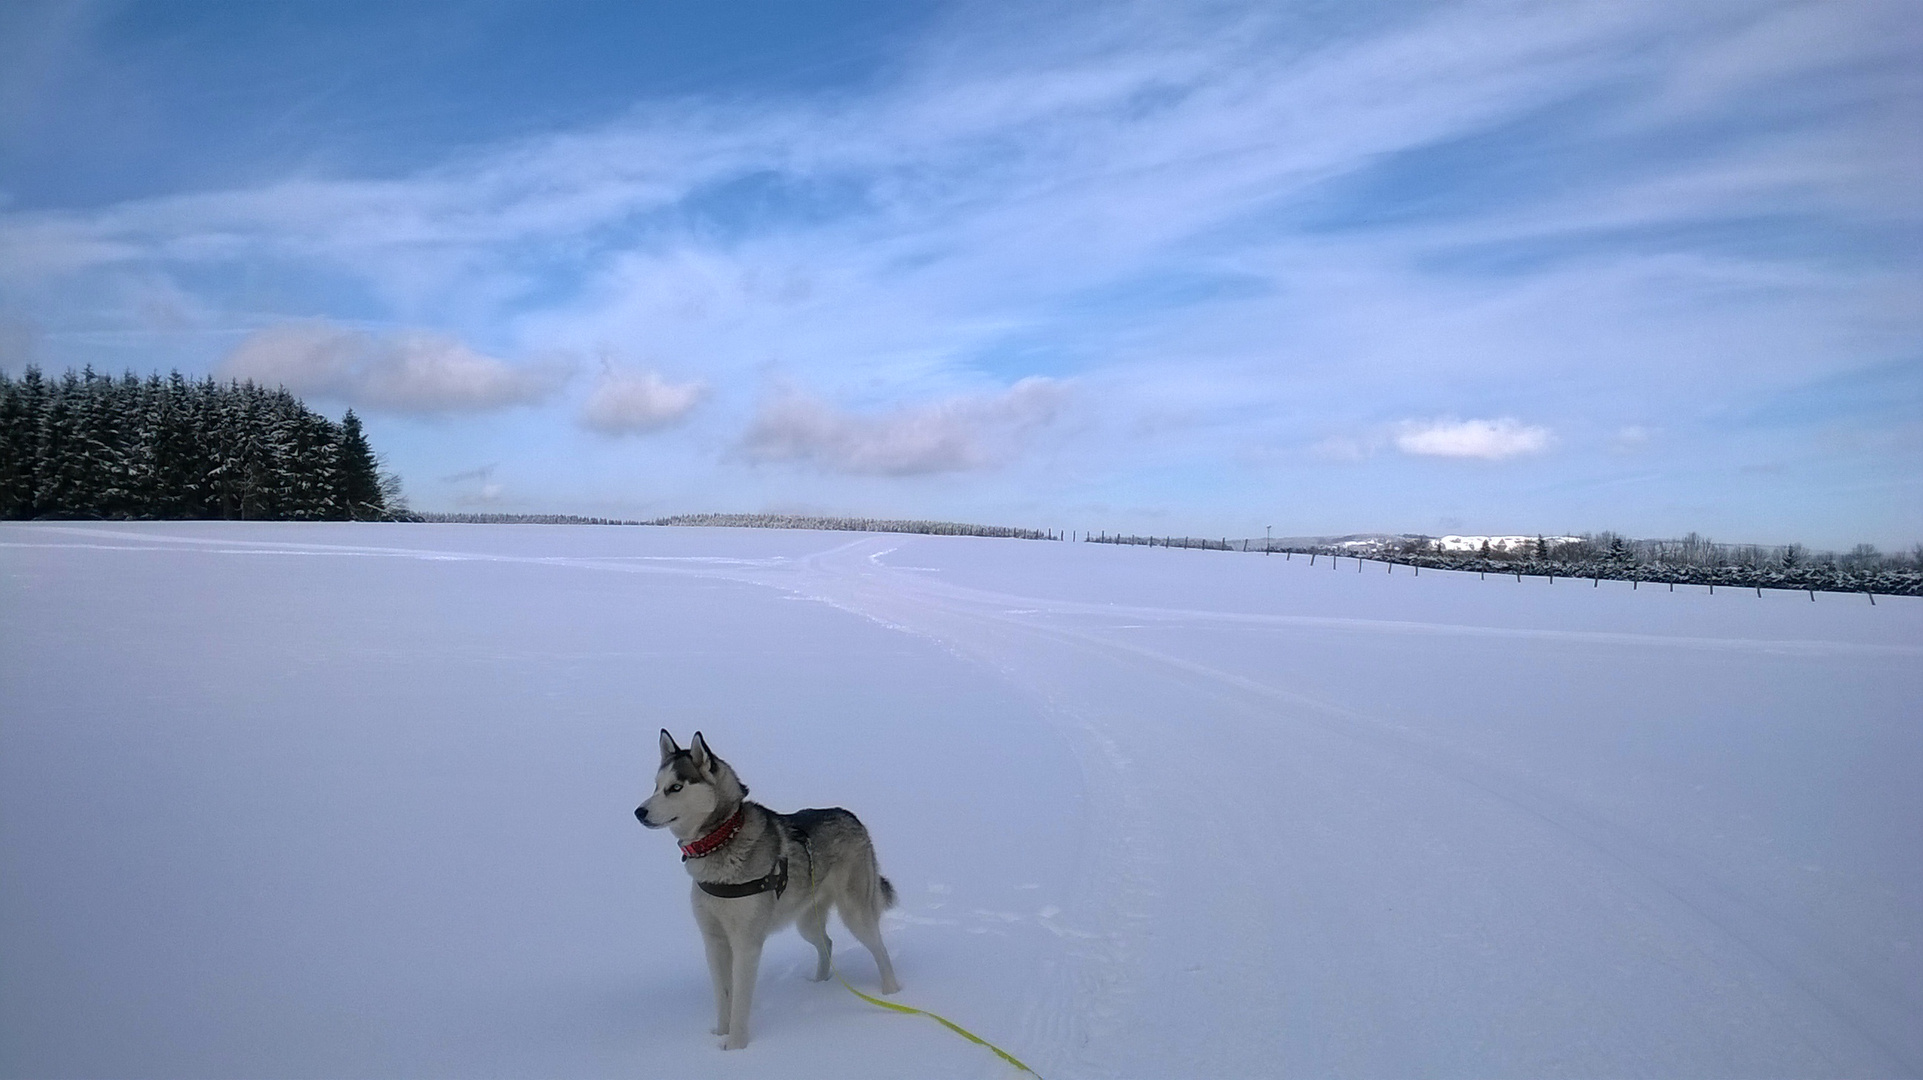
{"x": 747, "y": 964}
{"x": 720, "y": 965}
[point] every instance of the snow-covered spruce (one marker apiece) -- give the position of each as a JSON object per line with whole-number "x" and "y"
{"x": 90, "y": 446}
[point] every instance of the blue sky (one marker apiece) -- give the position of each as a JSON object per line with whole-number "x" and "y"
{"x": 1199, "y": 268}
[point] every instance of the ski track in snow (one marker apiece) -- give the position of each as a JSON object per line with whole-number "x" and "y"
{"x": 1280, "y": 872}
{"x": 1872, "y": 1010}
{"x": 986, "y": 601}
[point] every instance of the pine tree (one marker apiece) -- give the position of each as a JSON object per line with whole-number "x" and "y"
{"x": 59, "y": 481}
{"x": 360, "y": 479}
{"x": 19, "y": 438}
{"x": 102, "y": 468}
{"x": 1619, "y": 551}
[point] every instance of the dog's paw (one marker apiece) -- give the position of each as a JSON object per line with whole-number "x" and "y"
{"x": 718, "y": 1029}
{"x": 732, "y": 1043}
{"x": 891, "y": 987}
{"x": 819, "y": 976}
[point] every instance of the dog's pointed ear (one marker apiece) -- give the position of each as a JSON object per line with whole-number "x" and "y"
{"x": 668, "y": 748}
{"x": 704, "y": 758}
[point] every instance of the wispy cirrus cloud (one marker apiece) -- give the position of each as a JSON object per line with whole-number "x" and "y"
{"x": 1272, "y": 223}
{"x": 414, "y": 372}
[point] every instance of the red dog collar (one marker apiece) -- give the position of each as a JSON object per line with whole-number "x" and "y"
{"x": 707, "y": 844}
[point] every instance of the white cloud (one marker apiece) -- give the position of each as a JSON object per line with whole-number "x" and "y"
{"x": 624, "y": 403}
{"x": 957, "y": 434}
{"x": 1230, "y": 220}
{"x": 1490, "y": 440}
{"x": 412, "y": 372}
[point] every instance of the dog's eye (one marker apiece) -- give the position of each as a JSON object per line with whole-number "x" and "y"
{"x": 672, "y": 788}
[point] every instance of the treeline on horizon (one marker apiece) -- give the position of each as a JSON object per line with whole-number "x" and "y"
{"x": 432, "y": 517}
{"x": 1606, "y": 556}
{"x": 751, "y": 521}
{"x": 842, "y": 524}
{"x": 86, "y": 446}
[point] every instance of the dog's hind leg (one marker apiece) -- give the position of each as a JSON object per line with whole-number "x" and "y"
{"x": 864, "y": 921}
{"x": 720, "y": 968}
{"x": 813, "y": 925}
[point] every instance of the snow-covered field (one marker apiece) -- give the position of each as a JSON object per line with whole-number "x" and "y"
{"x": 356, "y": 800}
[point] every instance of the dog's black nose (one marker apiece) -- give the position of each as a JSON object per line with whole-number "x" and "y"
{"x": 641, "y": 814}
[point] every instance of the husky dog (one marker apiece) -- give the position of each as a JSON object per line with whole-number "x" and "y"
{"x": 755, "y": 871}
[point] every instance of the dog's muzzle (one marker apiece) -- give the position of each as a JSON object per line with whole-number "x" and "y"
{"x": 641, "y": 815}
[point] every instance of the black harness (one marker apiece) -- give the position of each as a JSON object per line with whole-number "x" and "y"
{"x": 776, "y": 882}
{"x": 800, "y": 825}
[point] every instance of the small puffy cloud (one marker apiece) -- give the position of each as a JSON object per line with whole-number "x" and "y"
{"x": 624, "y": 403}
{"x": 412, "y": 372}
{"x": 1490, "y": 440}
{"x": 953, "y": 435}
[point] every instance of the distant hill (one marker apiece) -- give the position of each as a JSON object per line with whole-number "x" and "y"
{"x": 840, "y": 524}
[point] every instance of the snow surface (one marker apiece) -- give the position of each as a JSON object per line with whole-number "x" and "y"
{"x": 356, "y": 800}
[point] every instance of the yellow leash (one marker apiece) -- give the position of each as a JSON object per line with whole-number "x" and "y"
{"x": 943, "y": 1021}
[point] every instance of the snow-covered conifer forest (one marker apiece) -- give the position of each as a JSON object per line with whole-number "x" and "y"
{"x": 89, "y": 446}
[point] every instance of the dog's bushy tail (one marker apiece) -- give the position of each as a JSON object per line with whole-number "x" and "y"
{"x": 887, "y": 892}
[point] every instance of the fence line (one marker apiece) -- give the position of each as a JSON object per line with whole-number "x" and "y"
{"x": 1621, "y": 564}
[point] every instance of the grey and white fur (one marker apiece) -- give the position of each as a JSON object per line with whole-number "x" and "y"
{"x": 830, "y": 863}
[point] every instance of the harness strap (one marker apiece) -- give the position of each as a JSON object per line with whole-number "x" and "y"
{"x": 776, "y": 882}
